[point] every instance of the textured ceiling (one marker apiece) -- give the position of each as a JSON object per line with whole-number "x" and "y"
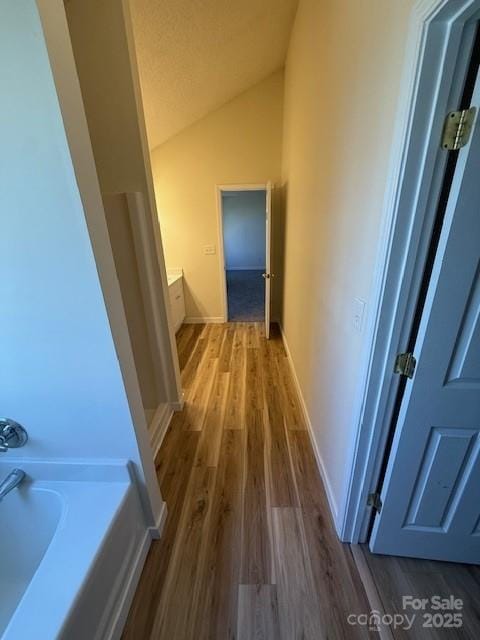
{"x": 195, "y": 55}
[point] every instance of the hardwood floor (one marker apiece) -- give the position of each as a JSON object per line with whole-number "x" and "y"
{"x": 395, "y": 577}
{"x": 248, "y": 550}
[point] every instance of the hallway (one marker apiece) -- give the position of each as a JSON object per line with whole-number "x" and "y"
{"x": 248, "y": 549}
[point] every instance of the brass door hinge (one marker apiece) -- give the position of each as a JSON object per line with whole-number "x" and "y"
{"x": 374, "y": 501}
{"x": 457, "y": 127}
{"x": 405, "y": 364}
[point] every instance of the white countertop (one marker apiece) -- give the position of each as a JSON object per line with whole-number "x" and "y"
{"x": 173, "y": 278}
{"x": 173, "y": 275}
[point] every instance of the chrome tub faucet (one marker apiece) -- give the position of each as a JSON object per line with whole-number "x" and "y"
{"x": 13, "y": 479}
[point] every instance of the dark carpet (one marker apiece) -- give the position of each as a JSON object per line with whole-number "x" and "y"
{"x": 246, "y": 296}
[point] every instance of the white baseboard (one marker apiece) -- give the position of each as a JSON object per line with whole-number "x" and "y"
{"x": 178, "y": 406}
{"x": 203, "y": 320}
{"x": 320, "y": 464}
{"x": 129, "y": 588}
{"x": 159, "y": 425}
{"x": 157, "y": 530}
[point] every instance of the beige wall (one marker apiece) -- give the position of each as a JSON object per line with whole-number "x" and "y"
{"x": 237, "y": 144}
{"x": 342, "y": 84}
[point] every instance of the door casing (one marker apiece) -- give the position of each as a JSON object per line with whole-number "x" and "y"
{"x": 438, "y": 50}
{"x": 219, "y": 189}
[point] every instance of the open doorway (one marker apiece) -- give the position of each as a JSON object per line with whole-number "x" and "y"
{"x": 244, "y": 239}
{"x": 243, "y": 227}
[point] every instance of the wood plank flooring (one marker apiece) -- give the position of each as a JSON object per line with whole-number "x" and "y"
{"x": 393, "y": 577}
{"x": 248, "y": 550}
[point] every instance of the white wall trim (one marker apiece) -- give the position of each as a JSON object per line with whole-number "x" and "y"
{"x": 318, "y": 457}
{"x": 128, "y": 575}
{"x": 129, "y": 585}
{"x": 159, "y": 322}
{"x": 178, "y": 406}
{"x": 221, "y": 252}
{"x": 156, "y": 531}
{"x": 159, "y": 425}
{"x": 165, "y": 332}
{"x": 437, "y": 52}
{"x": 119, "y": 616}
{"x": 204, "y": 320}
{"x": 243, "y": 187}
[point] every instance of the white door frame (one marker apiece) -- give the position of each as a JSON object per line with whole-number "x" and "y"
{"x": 219, "y": 188}
{"x": 438, "y": 49}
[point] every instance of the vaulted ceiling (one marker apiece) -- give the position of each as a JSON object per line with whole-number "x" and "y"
{"x": 195, "y": 55}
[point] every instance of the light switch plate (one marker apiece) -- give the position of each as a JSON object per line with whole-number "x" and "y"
{"x": 209, "y": 249}
{"x": 358, "y": 313}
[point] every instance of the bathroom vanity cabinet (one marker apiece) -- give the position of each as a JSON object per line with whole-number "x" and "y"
{"x": 177, "y": 299}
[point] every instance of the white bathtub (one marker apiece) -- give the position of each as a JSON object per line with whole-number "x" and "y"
{"x": 73, "y": 541}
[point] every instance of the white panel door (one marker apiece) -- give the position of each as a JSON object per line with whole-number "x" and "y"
{"x": 268, "y": 258}
{"x": 431, "y": 493}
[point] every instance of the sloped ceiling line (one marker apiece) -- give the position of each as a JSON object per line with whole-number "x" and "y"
{"x": 195, "y": 55}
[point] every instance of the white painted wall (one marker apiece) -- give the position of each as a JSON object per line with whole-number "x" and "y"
{"x": 244, "y": 229}
{"x": 342, "y": 83}
{"x": 60, "y": 376}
